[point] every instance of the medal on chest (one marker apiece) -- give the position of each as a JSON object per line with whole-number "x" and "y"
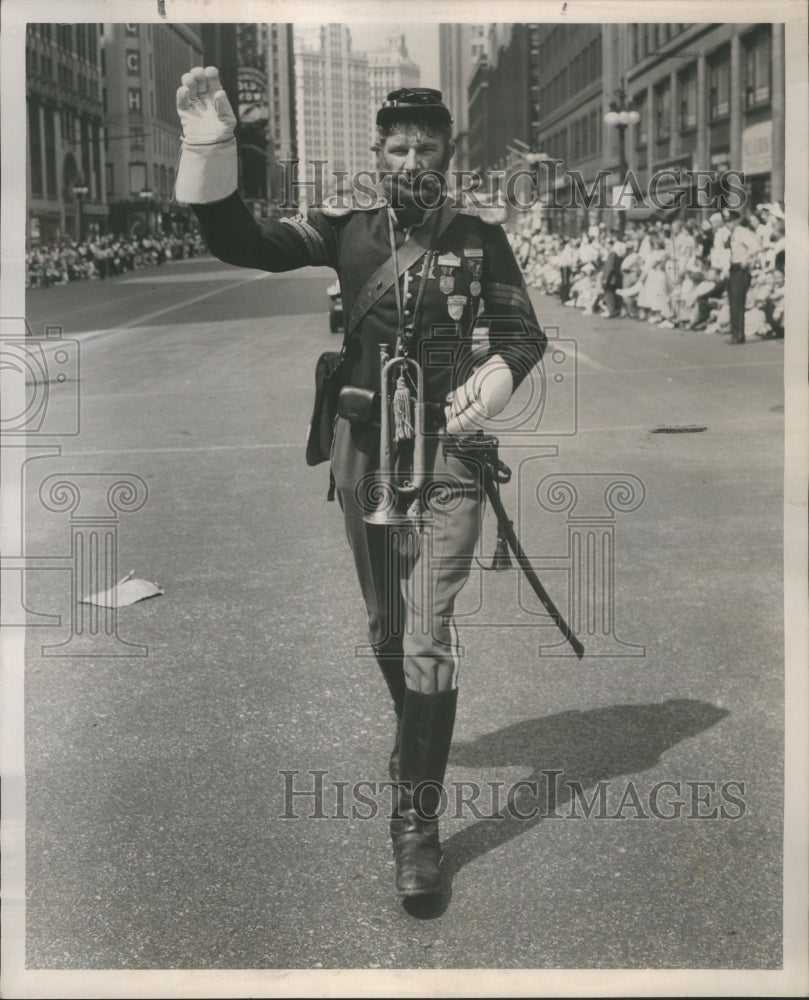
{"x": 449, "y": 264}
{"x": 474, "y": 260}
{"x": 456, "y": 305}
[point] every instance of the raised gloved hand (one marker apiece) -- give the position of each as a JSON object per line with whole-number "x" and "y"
{"x": 208, "y": 167}
{"x": 482, "y": 396}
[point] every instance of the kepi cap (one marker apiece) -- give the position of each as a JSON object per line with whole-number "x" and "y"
{"x": 409, "y": 101}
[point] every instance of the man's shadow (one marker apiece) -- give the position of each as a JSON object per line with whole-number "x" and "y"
{"x": 586, "y": 747}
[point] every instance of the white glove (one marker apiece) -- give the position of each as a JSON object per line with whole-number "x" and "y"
{"x": 208, "y": 167}
{"x": 482, "y": 396}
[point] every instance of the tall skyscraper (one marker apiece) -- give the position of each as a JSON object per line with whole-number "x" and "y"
{"x": 389, "y": 69}
{"x": 461, "y": 46}
{"x": 282, "y": 122}
{"x": 332, "y": 96}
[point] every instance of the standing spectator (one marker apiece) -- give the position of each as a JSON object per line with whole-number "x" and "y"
{"x": 743, "y": 247}
{"x": 568, "y": 260}
{"x": 654, "y": 296}
{"x": 612, "y": 278}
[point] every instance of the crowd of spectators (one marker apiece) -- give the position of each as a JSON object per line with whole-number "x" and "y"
{"x": 106, "y": 257}
{"x": 671, "y": 274}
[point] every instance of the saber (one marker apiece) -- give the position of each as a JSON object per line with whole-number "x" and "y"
{"x": 483, "y": 451}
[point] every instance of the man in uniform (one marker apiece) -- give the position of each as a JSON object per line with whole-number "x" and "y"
{"x": 405, "y": 270}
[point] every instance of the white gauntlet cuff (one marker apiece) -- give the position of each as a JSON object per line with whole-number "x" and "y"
{"x": 206, "y": 173}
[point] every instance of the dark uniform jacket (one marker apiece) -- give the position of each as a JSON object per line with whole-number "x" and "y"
{"x": 355, "y": 243}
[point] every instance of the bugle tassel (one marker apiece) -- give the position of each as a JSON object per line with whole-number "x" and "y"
{"x": 403, "y": 429}
{"x": 501, "y": 560}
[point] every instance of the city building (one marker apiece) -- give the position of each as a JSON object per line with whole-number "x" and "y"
{"x": 569, "y": 68}
{"x": 388, "y": 69}
{"x": 332, "y": 103}
{"x": 282, "y": 123}
{"x": 253, "y": 112}
{"x": 65, "y": 181}
{"x": 460, "y": 48}
{"x": 142, "y": 65}
{"x": 502, "y": 98}
{"x": 711, "y": 97}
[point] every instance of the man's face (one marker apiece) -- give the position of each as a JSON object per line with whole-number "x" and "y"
{"x": 415, "y": 158}
{"x": 413, "y": 148}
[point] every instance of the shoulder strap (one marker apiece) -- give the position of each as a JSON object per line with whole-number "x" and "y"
{"x": 385, "y": 275}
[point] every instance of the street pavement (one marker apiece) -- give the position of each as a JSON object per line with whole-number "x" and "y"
{"x": 155, "y": 785}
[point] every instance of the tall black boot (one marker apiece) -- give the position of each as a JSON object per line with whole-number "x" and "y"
{"x": 427, "y": 724}
{"x": 392, "y": 670}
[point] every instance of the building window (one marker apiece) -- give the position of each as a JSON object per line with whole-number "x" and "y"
{"x": 136, "y": 138}
{"x": 757, "y": 68}
{"x": 719, "y": 84}
{"x": 663, "y": 110}
{"x": 36, "y": 147}
{"x": 688, "y": 99}
{"x": 137, "y": 178}
{"x": 110, "y": 179}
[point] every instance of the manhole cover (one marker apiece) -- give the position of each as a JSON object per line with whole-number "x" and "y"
{"x": 685, "y": 429}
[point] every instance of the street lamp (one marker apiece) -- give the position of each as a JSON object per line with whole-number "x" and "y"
{"x": 622, "y": 112}
{"x": 80, "y": 191}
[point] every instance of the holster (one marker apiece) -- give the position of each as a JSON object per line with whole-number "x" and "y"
{"x": 358, "y": 405}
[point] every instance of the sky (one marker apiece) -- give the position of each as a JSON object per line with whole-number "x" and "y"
{"x": 422, "y": 45}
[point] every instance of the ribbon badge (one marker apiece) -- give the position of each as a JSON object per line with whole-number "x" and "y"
{"x": 448, "y": 263}
{"x": 474, "y": 259}
{"x": 456, "y": 305}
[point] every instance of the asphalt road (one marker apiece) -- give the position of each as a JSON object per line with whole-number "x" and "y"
{"x": 155, "y": 785}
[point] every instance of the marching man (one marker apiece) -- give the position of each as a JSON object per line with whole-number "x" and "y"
{"x": 406, "y": 270}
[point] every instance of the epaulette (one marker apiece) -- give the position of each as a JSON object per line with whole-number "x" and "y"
{"x": 336, "y": 206}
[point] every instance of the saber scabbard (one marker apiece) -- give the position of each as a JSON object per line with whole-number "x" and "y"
{"x": 483, "y": 451}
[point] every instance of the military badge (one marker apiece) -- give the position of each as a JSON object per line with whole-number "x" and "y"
{"x": 456, "y": 305}
{"x": 448, "y": 263}
{"x": 474, "y": 258}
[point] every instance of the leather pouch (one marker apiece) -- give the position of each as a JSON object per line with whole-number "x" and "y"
{"x": 359, "y": 406}
{"x": 328, "y": 372}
